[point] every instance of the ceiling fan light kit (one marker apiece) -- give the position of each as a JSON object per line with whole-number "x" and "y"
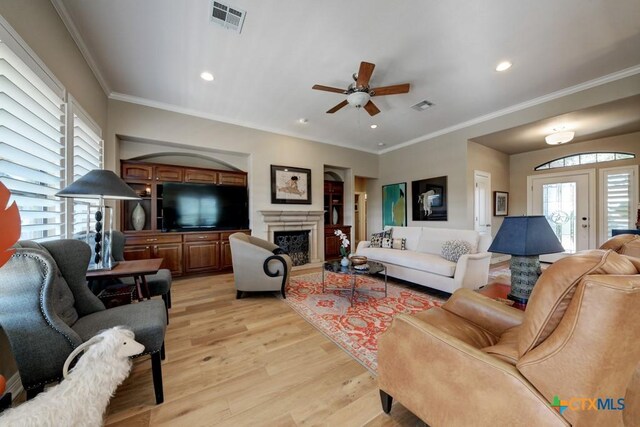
{"x": 359, "y": 93}
{"x": 559, "y": 137}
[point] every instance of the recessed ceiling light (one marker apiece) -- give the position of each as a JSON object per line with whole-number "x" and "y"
{"x": 503, "y": 66}
{"x": 381, "y": 144}
{"x": 206, "y": 76}
{"x": 374, "y": 126}
{"x": 303, "y": 121}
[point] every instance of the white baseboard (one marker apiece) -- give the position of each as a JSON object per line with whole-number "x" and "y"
{"x": 14, "y": 385}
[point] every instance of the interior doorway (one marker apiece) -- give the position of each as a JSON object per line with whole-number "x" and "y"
{"x": 360, "y": 211}
{"x": 567, "y": 200}
{"x": 482, "y": 202}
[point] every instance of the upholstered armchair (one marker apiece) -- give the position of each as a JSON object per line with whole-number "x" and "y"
{"x": 625, "y": 244}
{"x": 159, "y": 283}
{"x": 47, "y": 310}
{"x": 476, "y": 361}
{"x": 258, "y": 265}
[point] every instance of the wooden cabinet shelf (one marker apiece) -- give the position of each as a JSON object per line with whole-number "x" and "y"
{"x": 333, "y": 218}
{"x": 182, "y": 252}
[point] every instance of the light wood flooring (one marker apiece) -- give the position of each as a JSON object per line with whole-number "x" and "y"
{"x": 248, "y": 362}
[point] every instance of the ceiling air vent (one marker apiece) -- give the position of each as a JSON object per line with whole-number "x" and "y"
{"x": 229, "y": 17}
{"x": 422, "y": 105}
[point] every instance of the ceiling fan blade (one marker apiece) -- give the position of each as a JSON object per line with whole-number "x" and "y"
{"x": 328, "y": 89}
{"x": 364, "y": 73}
{"x": 337, "y": 107}
{"x": 371, "y": 108}
{"x": 391, "y": 90}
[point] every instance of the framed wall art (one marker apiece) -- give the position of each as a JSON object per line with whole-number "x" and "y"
{"x": 500, "y": 203}
{"x": 290, "y": 185}
{"x": 394, "y": 204}
{"x": 429, "y": 199}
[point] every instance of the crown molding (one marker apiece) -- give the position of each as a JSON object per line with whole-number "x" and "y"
{"x": 75, "y": 34}
{"x": 203, "y": 115}
{"x": 627, "y": 72}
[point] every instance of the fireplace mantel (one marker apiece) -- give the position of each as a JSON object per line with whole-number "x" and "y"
{"x": 281, "y": 220}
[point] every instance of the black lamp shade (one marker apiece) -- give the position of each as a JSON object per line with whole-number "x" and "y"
{"x": 99, "y": 183}
{"x": 526, "y": 236}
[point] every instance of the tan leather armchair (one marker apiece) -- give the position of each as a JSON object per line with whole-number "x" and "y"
{"x": 478, "y": 362}
{"x": 258, "y": 265}
{"x": 625, "y": 244}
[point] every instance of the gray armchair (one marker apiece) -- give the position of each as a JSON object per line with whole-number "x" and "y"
{"x": 47, "y": 310}
{"x": 258, "y": 265}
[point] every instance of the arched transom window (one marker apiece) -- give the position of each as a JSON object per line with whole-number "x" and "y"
{"x": 583, "y": 159}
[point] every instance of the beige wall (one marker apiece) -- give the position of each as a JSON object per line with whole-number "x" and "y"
{"x": 38, "y": 23}
{"x": 522, "y": 165}
{"x": 447, "y": 154}
{"x": 260, "y": 149}
{"x": 485, "y": 159}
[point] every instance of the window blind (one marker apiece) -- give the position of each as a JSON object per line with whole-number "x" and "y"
{"x": 87, "y": 155}
{"x": 618, "y": 199}
{"x": 32, "y": 158}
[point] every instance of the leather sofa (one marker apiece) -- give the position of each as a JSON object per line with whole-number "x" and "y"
{"x": 422, "y": 263}
{"x": 476, "y": 361}
{"x": 625, "y": 244}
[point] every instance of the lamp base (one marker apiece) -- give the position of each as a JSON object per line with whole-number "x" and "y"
{"x": 525, "y": 271}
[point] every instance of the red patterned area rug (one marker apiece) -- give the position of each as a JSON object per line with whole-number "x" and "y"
{"x": 354, "y": 329}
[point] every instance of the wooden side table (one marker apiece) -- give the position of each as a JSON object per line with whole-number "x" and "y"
{"x": 499, "y": 291}
{"x": 137, "y": 269}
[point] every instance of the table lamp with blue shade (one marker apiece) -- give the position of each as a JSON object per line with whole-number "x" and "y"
{"x": 525, "y": 238}
{"x": 100, "y": 184}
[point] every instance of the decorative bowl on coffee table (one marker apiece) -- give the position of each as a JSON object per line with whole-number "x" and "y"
{"x": 358, "y": 260}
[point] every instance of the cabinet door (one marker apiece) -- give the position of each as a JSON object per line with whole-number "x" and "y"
{"x": 171, "y": 255}
{"x": 169, "y": 173}
{"x": 230, "y": 178}
{"x": 226, "y": 261}
{"x": 132, "y": 253}
{"x": 331, "y": 247}
{"x": 134, "y": 171}
{"x": 200, "y": 175}
{"x": 202, "y": 256}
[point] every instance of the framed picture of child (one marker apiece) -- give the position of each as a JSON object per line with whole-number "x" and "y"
{"x": 290, "y": 185}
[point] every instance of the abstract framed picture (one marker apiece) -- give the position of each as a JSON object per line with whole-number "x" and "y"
{"x": 429, "y": 199}
{"x": 394, "y": 204}
{"x": 290, "y": 185}
{"x": 500, "y": 203}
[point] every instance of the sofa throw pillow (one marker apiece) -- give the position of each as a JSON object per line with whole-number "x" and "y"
{"x": 376, "y": 238}
{"x": 389, "y": 243}
{"x": 452, "y": 250}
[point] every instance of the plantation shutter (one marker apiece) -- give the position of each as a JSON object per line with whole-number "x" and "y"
{"x": 618, "y": 198}
{"x": 32, "y": 114}
{"x": 87, "y": 155}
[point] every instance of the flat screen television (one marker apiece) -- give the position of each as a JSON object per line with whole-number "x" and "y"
{"x": 199, "y": 207}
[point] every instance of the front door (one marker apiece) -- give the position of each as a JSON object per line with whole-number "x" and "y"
{"x": 566, "y": 201}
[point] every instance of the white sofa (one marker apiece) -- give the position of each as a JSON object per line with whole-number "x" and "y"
{"x": 423, "y": 264}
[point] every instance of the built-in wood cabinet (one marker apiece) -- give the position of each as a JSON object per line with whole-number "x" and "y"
{"x": 334, "y": 218}
{"x": 182, "y": 252}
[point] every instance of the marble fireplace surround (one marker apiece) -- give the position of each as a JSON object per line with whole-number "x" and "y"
{"x": 297, "y": 221}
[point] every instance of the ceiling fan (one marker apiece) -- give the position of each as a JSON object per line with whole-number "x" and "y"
{"x": 359, "y": 93}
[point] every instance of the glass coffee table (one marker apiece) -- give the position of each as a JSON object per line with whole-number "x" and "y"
{"x": 334, "y": 267}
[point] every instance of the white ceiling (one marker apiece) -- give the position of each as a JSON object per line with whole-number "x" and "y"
{"x": 155, "y": 50}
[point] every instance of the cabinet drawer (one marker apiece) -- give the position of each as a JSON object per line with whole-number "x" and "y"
{"x": 226, "y": 234}
{"x": 202, "y": 237}
{"x": 153, "y": 239}
{"x": 199, "y": 175}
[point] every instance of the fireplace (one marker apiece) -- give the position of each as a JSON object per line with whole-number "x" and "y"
{"x": 295, "y": 243}
{"x": 309, "y": 222}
